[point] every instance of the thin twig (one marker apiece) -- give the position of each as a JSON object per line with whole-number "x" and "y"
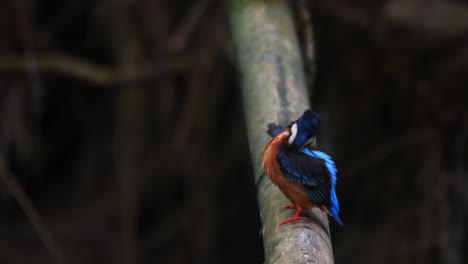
{"x": 66, "y": 65}
{"x": 200, "y": 75}
{"x": 31, "y": 213}
{"x": 177, "y": 42}
{"x": 26, "y": 30}
{"x": 130, "y": 124}
{"x": 91, "y": 72}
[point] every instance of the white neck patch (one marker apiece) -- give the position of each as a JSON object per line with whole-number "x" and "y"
{"x": 293, "y": 135}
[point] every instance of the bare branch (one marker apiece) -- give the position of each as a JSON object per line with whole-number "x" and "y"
{"x": 273, "y": 89}
{"x": 31, "y": 213}
{"x": 91, "y": 72}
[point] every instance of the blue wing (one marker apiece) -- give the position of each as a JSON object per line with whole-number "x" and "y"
{"x": 310, "y": 172}
{"x": 317, "y": 172}
{"x": 331, "y": 168}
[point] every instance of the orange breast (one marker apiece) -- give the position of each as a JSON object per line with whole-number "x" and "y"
{"x": 294, "y": 191}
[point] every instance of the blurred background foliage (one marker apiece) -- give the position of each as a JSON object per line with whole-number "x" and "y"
{"x": 122, "y": 136}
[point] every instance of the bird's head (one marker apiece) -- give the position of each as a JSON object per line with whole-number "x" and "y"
{"x": 304, "y": 129}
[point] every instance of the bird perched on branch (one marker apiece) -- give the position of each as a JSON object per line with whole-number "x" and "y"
{"x": 304, "y": 174}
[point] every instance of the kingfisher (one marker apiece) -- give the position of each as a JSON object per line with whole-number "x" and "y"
{"x": 305, "y": 175}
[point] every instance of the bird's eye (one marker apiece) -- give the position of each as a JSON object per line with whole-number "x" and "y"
{"x": 293, "y": 134}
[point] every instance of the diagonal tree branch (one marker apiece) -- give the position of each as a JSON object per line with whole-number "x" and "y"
{"x": 273, "y": 89}
{"x": 37, "y": 222}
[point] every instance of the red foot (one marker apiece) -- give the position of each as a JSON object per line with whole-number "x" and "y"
{"x": 291, "y": 206}
{"x": 296, "y": 216}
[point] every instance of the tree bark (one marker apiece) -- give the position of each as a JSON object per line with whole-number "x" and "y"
{"x": 129, "y": 126}
{"x": 273, "y": 90}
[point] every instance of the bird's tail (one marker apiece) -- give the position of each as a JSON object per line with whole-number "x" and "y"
{"x": 337, "y": 219}
{"x": 333, "y": 215}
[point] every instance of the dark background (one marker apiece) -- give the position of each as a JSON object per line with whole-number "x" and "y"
{"x": 122, "y": 133}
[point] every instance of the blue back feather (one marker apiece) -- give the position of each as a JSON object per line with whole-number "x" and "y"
{"x": 330, "y": 165}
